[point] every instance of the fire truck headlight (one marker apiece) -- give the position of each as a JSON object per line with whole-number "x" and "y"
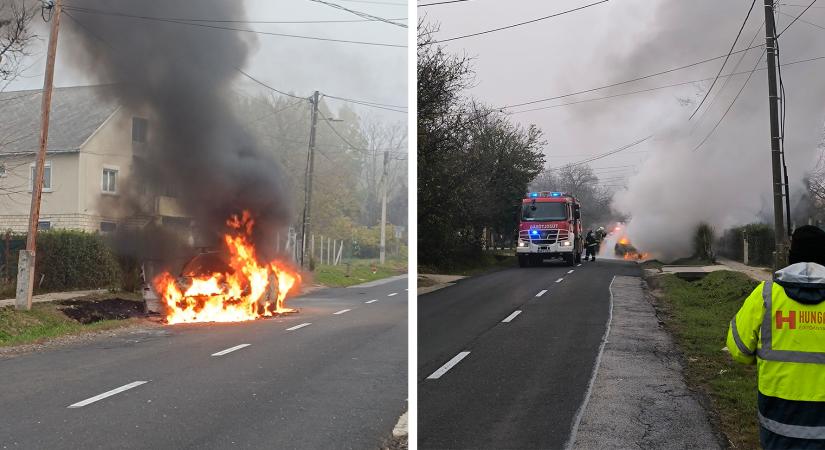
{"x": 566, "y": 244}
{"x": 522, "y": 243}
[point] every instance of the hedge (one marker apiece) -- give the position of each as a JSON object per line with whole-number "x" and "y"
{"x": 69, "y": 260}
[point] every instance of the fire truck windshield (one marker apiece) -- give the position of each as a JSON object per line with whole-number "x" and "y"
{"x": 544, "y": 211}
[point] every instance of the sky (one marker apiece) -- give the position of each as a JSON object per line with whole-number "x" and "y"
{"x": 671, "y": 185}
{"x": 371, "y": 73}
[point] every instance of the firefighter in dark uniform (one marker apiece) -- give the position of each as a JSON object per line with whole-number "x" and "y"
{"x": 590, "y": 244}
{"x": 781, "y": 329}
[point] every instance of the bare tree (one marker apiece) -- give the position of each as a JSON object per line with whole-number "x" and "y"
{"x": 15, "y": 37}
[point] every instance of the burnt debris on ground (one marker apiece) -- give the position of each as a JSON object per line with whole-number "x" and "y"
{"x": 85, "y": 311}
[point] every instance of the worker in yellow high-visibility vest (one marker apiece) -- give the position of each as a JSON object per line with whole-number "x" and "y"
{"x": 781, "y": 327}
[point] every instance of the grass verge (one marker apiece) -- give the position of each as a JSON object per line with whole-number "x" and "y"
{"x": 45, "y": 321}
{"x": 475, "y": 266}
{"x": 359, "y": 271}
{"x": 697, "y": 314}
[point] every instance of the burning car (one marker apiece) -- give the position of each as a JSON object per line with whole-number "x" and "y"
{"x": 627, "y": 251}
{"x": 230, "y": 286}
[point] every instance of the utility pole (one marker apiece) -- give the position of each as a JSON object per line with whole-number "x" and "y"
{"x": 780, "y": 237}
{"x": 308, "y": 185}
{"x": 384, "y": 208}
{"x": 25, "y": 267}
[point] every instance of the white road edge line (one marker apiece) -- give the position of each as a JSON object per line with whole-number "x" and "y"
{"x": 342, "y": 311}
{"x": 509, "y": 318}
{"x": 372, "y": 301}
{"x": 443, "y": 369}
{"x": 125, "y": 387}
{"x": 577, "y": 421}
{"x": 559, "y": 280}
{"x": 299, "y": 326}
{"x": 570, "y": 271}
{"x": 230, "y": 350}
{"x": 542, "y": 292}
{"x": 394, "y": 293}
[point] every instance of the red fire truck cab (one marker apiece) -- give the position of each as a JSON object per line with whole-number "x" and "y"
{"x": 549, "y": 227}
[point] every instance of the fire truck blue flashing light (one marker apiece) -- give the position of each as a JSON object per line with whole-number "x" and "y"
{"x": 544, "y": 194}
{"x": 534, "y": 232}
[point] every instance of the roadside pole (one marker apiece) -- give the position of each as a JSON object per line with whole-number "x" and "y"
{"x": 780, "y": 237}
{"x": 384, "y": 209}
{"x": 25, "y": 267}
{"x": 305, "y": 262}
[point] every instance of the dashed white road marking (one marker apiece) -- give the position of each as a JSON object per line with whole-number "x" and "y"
{"x": 510, "y": 318}
{"x": 342, "y": 311}
{"x": 394, "y": 293}
{"x": 230, "y": 350}
{"x": 542, "y": 292}
{"x": 450, "y": 364}
{"x": 372, "y": 301}
{"x": 559, "y": 280}
{"x": 570, "y": 271}
{"x": 125, "y": 387}
{"x": 578, "y": 265}
{"x": 299, "y": 326}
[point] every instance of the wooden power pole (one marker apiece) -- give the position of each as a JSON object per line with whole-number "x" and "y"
{"x": 308, "y": 182}
{"x": 384, "y": 181}
{"x": 25, "y": 268}
{"x": 780, "y": 237}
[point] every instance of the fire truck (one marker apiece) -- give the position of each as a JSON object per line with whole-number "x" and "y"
{"x": 549, "y": 227}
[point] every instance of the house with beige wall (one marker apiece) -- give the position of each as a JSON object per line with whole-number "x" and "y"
{"x": 94, "y": 144}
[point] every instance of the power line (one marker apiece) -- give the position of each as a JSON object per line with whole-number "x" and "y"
{"x": 797, "y": 18}
{"x": 732, "y": 46}
{"x": 758, "y": 60}
{"x": 268, "y": 86}
{"x": 344, "y": 140}
{"x": 359, "y": 13}
{"x": 694, "y": 64}
{"x": 603, "y": 155}
{"x": 517, "y": 24}
{"x": 656, "y": 88}
{"x": 803, "y": 20}
{"x": 442, "y": 3}
{"x": 392, "y": 108}
{"x": 374, "y": 2}
{"x": 242, "y": 30}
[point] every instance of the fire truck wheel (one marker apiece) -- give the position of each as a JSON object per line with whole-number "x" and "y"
{"x": 523, "y": 261}
{"x": 578, "y": 259}
{"x": 570, "y": 260}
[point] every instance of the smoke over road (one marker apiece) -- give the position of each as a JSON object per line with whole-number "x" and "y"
{"x": 180, "y": 77}
{"x": 727, "y": 180}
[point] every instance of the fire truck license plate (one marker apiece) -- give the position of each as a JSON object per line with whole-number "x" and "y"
{"x": 544, "y": 249}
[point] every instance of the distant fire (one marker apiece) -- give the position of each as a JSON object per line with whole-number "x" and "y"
{"x": 628, "y": 252}
{"x": 247, "y": 290}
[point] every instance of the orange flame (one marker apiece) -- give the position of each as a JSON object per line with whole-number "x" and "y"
{"x": 632, "y": 255}
{"x": 247, "y": 291}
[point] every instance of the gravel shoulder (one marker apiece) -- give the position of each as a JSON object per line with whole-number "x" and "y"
{"x": 639, "y": 398}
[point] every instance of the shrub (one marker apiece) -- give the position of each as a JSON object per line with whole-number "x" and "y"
{"x": 703, "y": 242}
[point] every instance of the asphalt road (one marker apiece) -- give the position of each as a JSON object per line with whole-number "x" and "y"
{"x": 523, "y": 381}
{"x": 339, "y": 382}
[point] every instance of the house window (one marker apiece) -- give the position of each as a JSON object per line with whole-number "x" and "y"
{"x": 108, "y": 227}
{"x": 109, "y": 181}
{"x": 47, "y": 177}
{"x": 44, "y": 225}
{"x": 140, "y": 128}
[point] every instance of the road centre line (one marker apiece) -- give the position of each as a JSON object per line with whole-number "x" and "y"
{"x": 449, "y": 365}
{"x": 342, "y": 311}
{"x": 89, "y": 400}
{"x": 579, "y": 265}
{"x": 542, "y": 292}
{"x": 510, "y": 318}
{"x": 570, "y": 271}
{"x": 394, "y": 293}
{"x": 559, "y": 280}
{"x": 372, "y": 301}
{"x": 230, "y": 350}
{"x": 299, "y": 326}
